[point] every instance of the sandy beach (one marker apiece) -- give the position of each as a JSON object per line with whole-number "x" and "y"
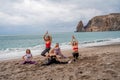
{"x": 95, "y": 63}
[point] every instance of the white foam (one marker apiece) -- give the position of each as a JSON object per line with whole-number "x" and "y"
{"x": 13, "y": 53}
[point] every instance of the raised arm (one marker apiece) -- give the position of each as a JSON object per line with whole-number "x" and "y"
{"x": 74, "y": 40}
{"x": 50, "y": 38}
{"x": 45, "y": 36}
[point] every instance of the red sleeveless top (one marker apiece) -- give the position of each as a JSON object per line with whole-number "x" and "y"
{"x": 48, "y": 44}
{"x": 75, "y": 48}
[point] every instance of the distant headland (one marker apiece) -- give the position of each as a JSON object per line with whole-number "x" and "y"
{"x": 110, "y": 22}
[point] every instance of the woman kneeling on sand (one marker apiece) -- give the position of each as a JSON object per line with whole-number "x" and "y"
{"x": 28, "y": 58}
{"x": 52, "y": 58}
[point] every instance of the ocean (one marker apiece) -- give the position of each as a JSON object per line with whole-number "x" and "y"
{"x": 14, "y": 46}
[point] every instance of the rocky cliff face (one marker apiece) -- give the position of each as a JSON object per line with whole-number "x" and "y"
{"x": 109, "y": 22}
{"x": 79, "y": 27}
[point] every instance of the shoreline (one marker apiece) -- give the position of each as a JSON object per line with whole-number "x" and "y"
{"x": 66, "y": 50}
{"x": 95, "y": 63}
{"x": 16, "y": 53}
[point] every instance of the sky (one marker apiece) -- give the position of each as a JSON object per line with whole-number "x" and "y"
{"x": 39, "y": 16}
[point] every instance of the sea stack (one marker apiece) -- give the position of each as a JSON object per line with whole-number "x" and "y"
{"x": 79, "y": 27}
{"x": 109, "y": 22}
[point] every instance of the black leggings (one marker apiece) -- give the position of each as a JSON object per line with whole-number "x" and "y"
{"x": 53, "y": 60}
{"x": 45, "y": 51}
{"x": 75, "y": 55}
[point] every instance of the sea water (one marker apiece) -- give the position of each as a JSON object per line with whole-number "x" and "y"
{"x": 14, "y": 46}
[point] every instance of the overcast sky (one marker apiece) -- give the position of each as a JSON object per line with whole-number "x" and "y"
{"x": 38, "y": 16}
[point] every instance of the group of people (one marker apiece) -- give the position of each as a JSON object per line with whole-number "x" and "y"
{"x": 53, "y": 53}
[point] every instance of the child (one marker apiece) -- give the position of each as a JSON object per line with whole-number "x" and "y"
{"x": 57, "y": 51}
{"x": 48, "y": 39}
{"x": 28, "y": 57}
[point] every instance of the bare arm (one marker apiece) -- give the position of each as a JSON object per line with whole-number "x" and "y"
{"x": 74, "y": 39}
{"x": 23, "y": 58}
{"x": 50, "y": 38}
{"x": 45, "y": 36}
{"x": 31, "y": 57}
{"x": 57, "y": 58}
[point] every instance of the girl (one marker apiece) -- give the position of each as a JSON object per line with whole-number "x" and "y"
{"x": 75, "y": 53}
{"x": 28, "y": 57}
{"x": 48, "y": 39}
{"x": 57, "y": 51}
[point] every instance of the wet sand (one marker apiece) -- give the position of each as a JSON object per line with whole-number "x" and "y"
{"x": 95, "y": 63}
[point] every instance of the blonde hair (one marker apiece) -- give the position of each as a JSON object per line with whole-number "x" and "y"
{"x": 57, "y": 44}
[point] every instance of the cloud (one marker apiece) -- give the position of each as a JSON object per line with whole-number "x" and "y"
{"x": 52, "y": 13}
{"x": 32, "y": 11}
{"x": 45, "y": 11}
{"x": 11, "y": 19}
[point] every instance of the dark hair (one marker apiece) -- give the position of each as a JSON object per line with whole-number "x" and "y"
{"x": 74, "y": 43}
{"x": 48, "y": 37}
{"x": 28, "y": 50}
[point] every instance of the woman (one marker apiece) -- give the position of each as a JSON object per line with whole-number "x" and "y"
{"x": 75, "y": 53}
{"x": 57, "y": 50}
{"x": 52, "y": 58}
{"x": 48, "y": 39}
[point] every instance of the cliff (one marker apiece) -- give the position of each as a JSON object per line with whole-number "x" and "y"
{"x": 79, "y": 27}
{"x": 109, "y": 22}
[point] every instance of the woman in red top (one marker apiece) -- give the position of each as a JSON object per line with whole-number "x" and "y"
{"x": 48, "y": 39}
{"x": 75, "y": 48}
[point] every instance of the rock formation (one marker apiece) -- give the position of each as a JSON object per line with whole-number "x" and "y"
{"x": 79, "y": 27}
{"x": 109, "y": 22}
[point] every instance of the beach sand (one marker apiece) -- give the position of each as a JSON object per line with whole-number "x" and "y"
{"x": 95, "y": 63}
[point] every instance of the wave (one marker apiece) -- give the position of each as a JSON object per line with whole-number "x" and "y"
{"x": 100, "y": 42}
{"x": 13, "y": 53}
